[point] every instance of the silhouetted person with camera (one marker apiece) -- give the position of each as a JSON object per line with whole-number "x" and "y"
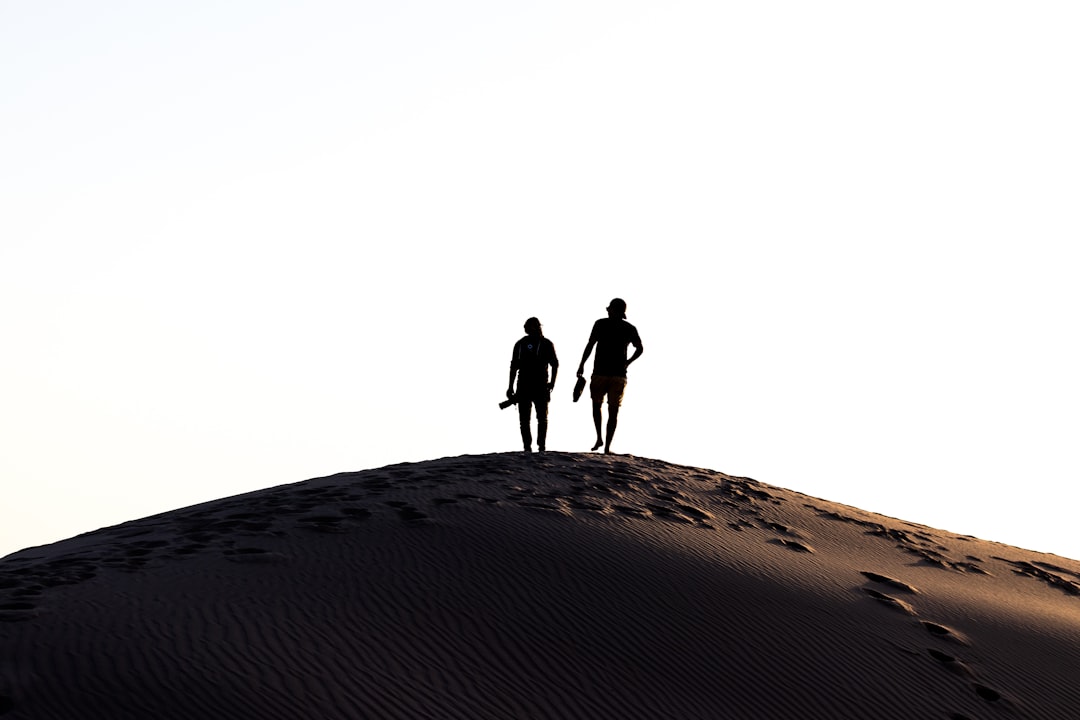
{"x": 611, "y": 336}
{"x": 529, "y": 363}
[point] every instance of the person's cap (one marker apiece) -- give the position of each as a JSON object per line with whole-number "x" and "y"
{"x": 618, "y": 305}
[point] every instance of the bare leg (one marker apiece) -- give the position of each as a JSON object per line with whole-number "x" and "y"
{"x": 612, "y": 421}
{"x": 596, "y": 405}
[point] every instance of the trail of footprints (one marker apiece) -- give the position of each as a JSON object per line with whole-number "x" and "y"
{"x": 879, "y": 588}
{"x": 931, "y": 552}
{"x": 633, "y": 488}
{"x": 232, "y": 527}
{"x": 913, "y": 541}
{"x": 1052, "y": 575}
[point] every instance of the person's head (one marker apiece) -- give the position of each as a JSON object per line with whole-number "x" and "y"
{"x": 617, "y": 308}
{"x": 532, "y": 327}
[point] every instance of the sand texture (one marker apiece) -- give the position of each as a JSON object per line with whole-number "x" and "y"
{"x": 546, "y": 586}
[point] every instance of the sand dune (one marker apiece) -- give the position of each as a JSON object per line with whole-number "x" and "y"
{"x": 550, "y": 586}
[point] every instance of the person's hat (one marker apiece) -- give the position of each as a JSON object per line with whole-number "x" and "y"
{"x": 618, "y": 305}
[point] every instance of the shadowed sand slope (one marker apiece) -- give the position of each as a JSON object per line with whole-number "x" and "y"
{"x": 551, "y": 586}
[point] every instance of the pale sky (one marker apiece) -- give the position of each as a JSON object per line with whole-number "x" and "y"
{"x": 245, "y": 243}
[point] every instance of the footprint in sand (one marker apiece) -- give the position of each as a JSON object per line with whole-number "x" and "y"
{"x": 793, "y": 541}
{"x": 792, "y": 545}
{"x": 987, "y": 694}
{"x": 890, "y": 601}
{"x": 891, "y": 582}
{"x": 940, "y": 631}
{"x": 951, "y": 664}
{"x": 957, "y": 667}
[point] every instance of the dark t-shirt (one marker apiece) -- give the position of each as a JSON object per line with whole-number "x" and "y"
{"x": 612, "y": 337}
{"x": 532, "y": 355}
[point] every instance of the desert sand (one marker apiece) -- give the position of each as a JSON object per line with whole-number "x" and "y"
{"x": 544, "y": 586}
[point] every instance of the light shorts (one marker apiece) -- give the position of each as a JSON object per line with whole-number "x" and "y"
{"x": 613, "y": 387}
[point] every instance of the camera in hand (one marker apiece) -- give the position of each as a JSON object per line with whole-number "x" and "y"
{"x": 512, "y": 400}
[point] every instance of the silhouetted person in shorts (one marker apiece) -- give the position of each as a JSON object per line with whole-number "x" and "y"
{"x": 611, "y": 336}
{"x": 532, "y": 356}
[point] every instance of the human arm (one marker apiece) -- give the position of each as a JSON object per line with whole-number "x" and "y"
{"x": 554, "y": 366}
{"x": 513, "y": 371}
{"x": 638, "y": 350}
{"x": 584, "y": 357}
{"x": 588, "y": 351}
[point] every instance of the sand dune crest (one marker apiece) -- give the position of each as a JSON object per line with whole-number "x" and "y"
{"x": 552, "y": 586}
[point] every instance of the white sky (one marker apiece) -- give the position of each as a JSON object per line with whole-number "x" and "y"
{"x": 244, "y": 243}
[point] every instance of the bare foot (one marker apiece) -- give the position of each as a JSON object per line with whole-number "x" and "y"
{"x": 599, "y": 444}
